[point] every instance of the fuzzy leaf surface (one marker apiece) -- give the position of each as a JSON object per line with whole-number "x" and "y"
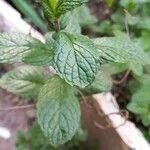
{"x": 75, "y": 59}
{"x": 64, "y": 6}
{"x": 140, "y": 104}
{"x": 17, "y": 47}
{"x": 58, "y": 111}
{"x": 120, "y": 50}
{"x": 25, "y": 81}
{"x": 101, "y": 83}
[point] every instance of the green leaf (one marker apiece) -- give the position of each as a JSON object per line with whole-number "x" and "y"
{"x": 75, "y": 59}
{"x": 53, "y": 9}
{"x": 120, "y": 50}
{"x": 137, "y": 69}
{"x": 144, "y": 40}
{"x": 48, "y": 10}
{"x": 138, "y": 22}
{"x": 140, "y": 104}
{"x": 17, "y": 47}
{"x": 101, "y": 83}
{"x": 25, "y": 81}
{"x": 64, "y": 6}
{"x": 49, "y": 39}
{"x": 58, "y": 111}
{"x": 68, "y": 23}
{"x": 83, "y": 11}
{"x": 109, "y": 2}
{"x": 115, "y": 68}
{"x": 40, "y": 55}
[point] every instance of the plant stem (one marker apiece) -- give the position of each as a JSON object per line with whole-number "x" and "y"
{"x": 17, "y": 107}
{"x": 123, "y": 79}
{"x": 126, "y": 23}
{"x": 57, "y": 25}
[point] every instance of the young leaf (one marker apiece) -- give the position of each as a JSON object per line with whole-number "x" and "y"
{"x": 64, "y": 6}
{"x": 58, "y": 111}
{"x": 25, "y": 81}
{"x": 16, "y": 47}
{"x": 75, "y": 59}
{"x": 101, "y": 83}
{"x": 48, "y": 10}
{"x": 120, "y": 50}
{"x": 53, "y": 9}
{"x": 69, "y": 23}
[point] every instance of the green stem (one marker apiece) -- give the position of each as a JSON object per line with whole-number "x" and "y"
{"x": 57, "y": 25}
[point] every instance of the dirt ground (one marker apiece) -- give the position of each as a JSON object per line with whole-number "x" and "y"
{"x": 14, "y": 120}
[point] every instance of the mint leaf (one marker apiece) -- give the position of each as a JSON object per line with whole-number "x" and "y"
{"x": 17, "y": 47}
{"x": 53, "y": 9}
{"x": 144, "y": 39}
{"x": 64, "y": 6}
{"x": 40, "y": 55}
{"x": 48, "y": 9}
{"x": 83, "y": 11}
{"x": 25, "y": 81}
{"x": 137, "y": 69}
{"x": 75, "y": 59}
{"x": 69, "y": 23}
{"x": 140, "y": 104}
{"x": 101, "y": 83}
{"x": 58, "y": 111}
{"x": 115, "y": 68}
{"x": 120, "y": 50}
{"x": 49, "y": 39}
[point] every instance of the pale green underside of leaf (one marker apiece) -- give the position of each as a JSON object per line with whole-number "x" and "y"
{"x": 58, "y": 111}
{"x": 120, "y": 50}
{"x": 101, "y": 83}
{"x": 17, "y": 47}
{"x": 25, "y": 81}
{"x": 75, "y": 59}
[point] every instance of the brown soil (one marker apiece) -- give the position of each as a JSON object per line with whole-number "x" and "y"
{"x": 15, "y": 120}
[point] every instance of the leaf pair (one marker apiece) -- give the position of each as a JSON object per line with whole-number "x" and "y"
{"x": 73, "y": 55}
{"x": 53, "y": 9}
{"x": 58, "y": 109}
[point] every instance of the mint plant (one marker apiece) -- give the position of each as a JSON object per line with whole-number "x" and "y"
{"x": 77, "y": 61}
